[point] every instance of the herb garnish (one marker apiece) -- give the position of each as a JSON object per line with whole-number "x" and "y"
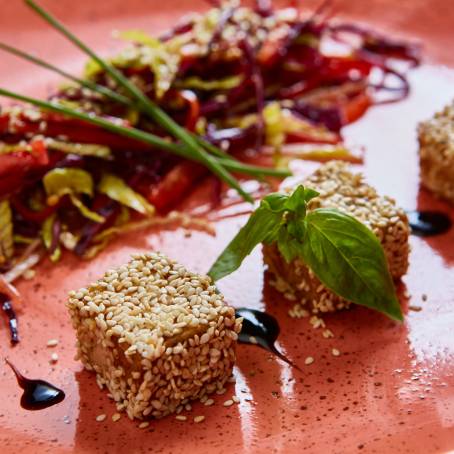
{"x": 342, "y": 252}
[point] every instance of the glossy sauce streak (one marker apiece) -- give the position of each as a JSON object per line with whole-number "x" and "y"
{"x": 260, "y": 328}
{"x": 38, "y": 394}
{"x": 428, "y": 223}
{"x": 12, "y": 318}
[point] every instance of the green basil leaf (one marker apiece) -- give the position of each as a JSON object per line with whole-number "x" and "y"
{"x": 349, "y": 260}
{"x": 288, "y": 246}
{"x": 297, "y": 201}
{"x": 262, "y": 226}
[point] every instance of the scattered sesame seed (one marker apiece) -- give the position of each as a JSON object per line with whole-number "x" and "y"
{"x": 252, "y": 340}
{"x": 53, "y": 358}
{"x": 52, "y": 343}
{"x": 29, "y": 274}
{"x": 228, "y": 403}
{"x": 181, "y": 418}
{"x": 327, "y": 333}
{"x": 317, "y": 322}
{"x": 116, "y": 417}
{"x": 101, "y": 418}
{"x": 309, "y": 360}
{"x": 208, "y": 402}
{"x": 188, "y": 407}
{"x": 335, "y": 352}
{"x": 144, "y": 425}
{"x": 236, "y": 399}
{"x": 199, "y": 418}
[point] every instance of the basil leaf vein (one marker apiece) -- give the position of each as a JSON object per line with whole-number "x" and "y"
{"x": 348, "y": 259}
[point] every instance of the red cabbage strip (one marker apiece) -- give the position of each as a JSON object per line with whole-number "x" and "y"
{"x": 330, "y": 117}
{"x": 109, "y": 211}
{"x": 380, "y": 45}
{"x": 257, "y": 80}
{"x": 379, "y": 62}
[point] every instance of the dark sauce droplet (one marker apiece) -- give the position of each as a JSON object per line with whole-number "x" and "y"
{"x": 260, "y": 328}
{"x": 8, "y": 310}
{"x": 428, "y": 223}
{"x": 38, "y": 394}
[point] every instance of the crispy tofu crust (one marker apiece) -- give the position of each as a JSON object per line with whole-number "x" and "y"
{"x": 155, "y": 334}
{"x": 436, "y": 153}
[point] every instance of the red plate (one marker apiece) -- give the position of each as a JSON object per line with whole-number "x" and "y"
{"x": 392, "y": 387}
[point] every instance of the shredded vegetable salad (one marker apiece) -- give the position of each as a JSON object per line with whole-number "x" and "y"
{"x": 245, "y": 81}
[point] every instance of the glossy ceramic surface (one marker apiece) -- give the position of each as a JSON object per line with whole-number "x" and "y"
{"x": 392, "y": 387}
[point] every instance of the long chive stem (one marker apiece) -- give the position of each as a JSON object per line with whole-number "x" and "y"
{"x": 114, "y": 96}
{"x": 85, "y": 83}
{"x": 142, "y": 136}
{"x": 148, "y": 106}
{"x": 236, "y": 166}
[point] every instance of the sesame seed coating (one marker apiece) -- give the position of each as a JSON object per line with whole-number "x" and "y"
{"x": 436, "y": 153}
{"x": 341, "y": 189}
{"x": 156, "y": 335}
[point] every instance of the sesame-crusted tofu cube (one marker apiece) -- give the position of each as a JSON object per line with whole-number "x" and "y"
{"x": 341, "y": 189}
{"x": 155, "y": 334}
{"x": 436, "y": 153}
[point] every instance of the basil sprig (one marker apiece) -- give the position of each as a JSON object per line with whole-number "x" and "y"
{"x": 342, "y": 252}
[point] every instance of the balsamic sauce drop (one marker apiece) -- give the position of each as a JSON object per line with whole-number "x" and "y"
{"x": 38, "y": 394}
{"x": 260, "y": 328}
{"x": 428, "y": 223}
{"x": 7, "y": 308}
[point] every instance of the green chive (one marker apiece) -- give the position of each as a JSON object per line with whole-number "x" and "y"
{"x": 85, "y": 83}
{"x": 236, "y": 166}
{"x": 148, "y": 106}
{"x": 140, "y": 135}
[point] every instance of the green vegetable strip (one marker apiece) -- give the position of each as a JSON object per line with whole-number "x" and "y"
{"x": 149, "y": 107}
{"x": 239, "y": 167}
{"x": 137, "y": 134}
{"x": 85, "y": 83}
{"x": 6, "y": 232}
{"x": 115, "y": 188}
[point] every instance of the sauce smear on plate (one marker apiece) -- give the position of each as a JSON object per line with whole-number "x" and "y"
{"x": 428, "y": 223}
{"x": 260, "y": 328}
{"x": 38, "y": 394}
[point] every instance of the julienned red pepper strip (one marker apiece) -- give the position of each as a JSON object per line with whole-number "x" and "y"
{"x": 24, "y": 160}
{"x": 32, "y": 215}
{"x": 175, "y": 185}
{"x": 54, "y": 125}
{"x": 355, "y": 108}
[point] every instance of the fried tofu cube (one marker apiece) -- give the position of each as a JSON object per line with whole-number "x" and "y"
{"x": 346, "y": 191}
{"x": 436, "y": 153}
{"x": 155, "y": 334}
